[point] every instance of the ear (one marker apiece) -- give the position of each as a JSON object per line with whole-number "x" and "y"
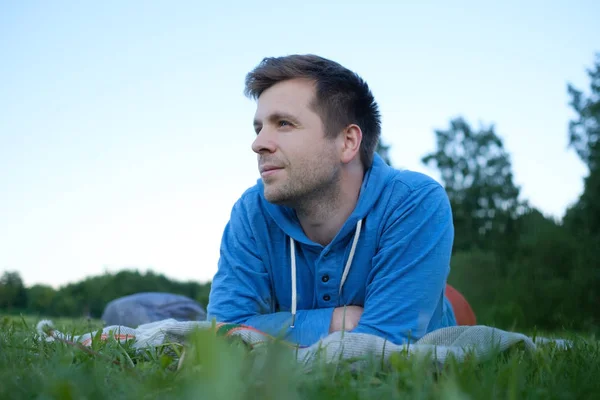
{"x": 351, "y": 138}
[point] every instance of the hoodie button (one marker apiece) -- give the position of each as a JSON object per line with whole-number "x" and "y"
{"x": 325, "y": 278}
{"x": 326, "y": 297}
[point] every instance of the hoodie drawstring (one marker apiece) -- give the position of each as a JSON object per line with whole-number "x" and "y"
{"x": 344, "y": 275}
{"x": 293, "y": 256}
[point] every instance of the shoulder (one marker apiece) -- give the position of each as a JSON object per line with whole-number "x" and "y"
{"x": 412, "y": 180}
{"x": 245, "y": 205}
{"x": 251, "y": 197}
{"x": 417, "y": 209}
{"x": 251, "y": 205}
{"x": 408, "y": 186}
{"x": 412, "y": 200}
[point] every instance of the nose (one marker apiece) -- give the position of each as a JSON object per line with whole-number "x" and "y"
{"x": 264, "y": 142}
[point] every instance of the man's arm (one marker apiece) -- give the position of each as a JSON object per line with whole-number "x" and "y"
{"x": 241, "y": 289}
{"x": 345, "y": 318}
{"x": 410, "y": 269}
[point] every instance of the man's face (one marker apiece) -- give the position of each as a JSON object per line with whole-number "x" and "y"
{"x": 295, "y": 159}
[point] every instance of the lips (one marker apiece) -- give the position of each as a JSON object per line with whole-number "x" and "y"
{"x": 267, "y": 168}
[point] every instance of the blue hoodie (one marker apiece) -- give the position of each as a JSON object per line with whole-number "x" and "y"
{"x": 391, "y": 256}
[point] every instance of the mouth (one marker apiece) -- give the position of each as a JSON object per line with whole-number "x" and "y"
{"x": 268, "y": 170}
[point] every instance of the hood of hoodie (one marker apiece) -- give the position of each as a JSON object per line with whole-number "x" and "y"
{"x": 374, "y": 181}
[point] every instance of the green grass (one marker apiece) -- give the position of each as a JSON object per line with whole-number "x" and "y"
{"x": 216, "y": 368}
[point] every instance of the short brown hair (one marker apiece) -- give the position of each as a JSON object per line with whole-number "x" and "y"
{"x": 342, "y": 97}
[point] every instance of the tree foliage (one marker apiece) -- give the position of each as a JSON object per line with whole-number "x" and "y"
{"x": 89, "y": 296}
{"x": 12, "y": 291}
{"x": 517, "y": 267}
{"x": 583, "y": 218}
{"x": 584, "y": 131}
{"x": 477, "y": 174}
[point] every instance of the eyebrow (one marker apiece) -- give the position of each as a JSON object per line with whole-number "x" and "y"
{"x": 276, "y": 116}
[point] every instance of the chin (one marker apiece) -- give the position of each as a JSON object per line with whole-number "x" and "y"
{"x": 275, "y": 197}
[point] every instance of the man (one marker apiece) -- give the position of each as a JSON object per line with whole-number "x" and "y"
{"x": 330, "y": 238}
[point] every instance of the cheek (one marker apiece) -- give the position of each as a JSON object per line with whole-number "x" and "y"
{"x": 326, "y": 150}
{"x": 306, "y": 150}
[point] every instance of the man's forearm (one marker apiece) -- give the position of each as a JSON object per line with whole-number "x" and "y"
{"x": 309, "y": 325}
{"x": 345, "y": 318}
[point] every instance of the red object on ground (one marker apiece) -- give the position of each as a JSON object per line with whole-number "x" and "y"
{"x": 462, "y": 309}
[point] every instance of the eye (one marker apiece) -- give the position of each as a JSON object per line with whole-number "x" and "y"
{"x": 283, "y": 123}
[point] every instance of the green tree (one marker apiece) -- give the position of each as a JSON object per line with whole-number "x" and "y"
{"x": 12, "y": 291}
{"x": 583, "y": 218}
{"x": 584, "y": 136}
{"x": 40, "y": 299}
{"x": 541, "y": 278}
{"x": 91, "y": 295}
{"x": 584, "y": 131}
{"x": 477, "y": 175}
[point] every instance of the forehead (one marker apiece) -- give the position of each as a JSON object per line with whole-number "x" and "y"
{"x": 292, "y": 96}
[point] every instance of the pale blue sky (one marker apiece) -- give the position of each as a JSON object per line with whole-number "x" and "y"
{"x": 125, "y": 136}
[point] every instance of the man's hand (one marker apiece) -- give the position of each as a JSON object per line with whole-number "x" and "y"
{"x": 345, "y": 318}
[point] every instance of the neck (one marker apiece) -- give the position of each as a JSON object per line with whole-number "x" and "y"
{"x": 322, "y": 217}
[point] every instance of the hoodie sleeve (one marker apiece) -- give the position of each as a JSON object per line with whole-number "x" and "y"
{"x": 241, "y": 290}
{"x": 406, "y": 285}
